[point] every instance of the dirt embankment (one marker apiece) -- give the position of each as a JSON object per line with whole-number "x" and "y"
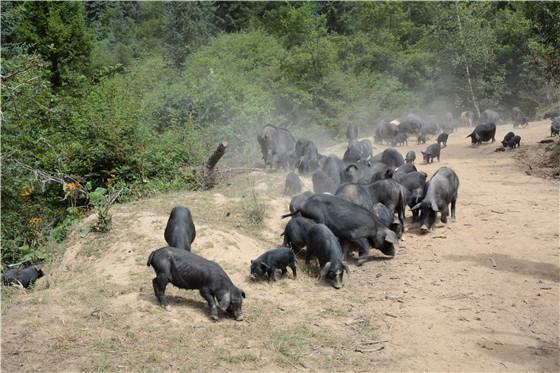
{"x": 541, "y": 159}
{"x": 480, "y": 294}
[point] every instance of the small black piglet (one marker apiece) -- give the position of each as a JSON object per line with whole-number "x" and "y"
{"x": 24, "y": 277}
{"x": 269, "y": 262}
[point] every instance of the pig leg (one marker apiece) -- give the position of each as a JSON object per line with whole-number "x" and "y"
{"x": 400, "y": 214}
{"x": 293, "y": 268}
{"x": 346, "y": 250}
{"x": 363, "y": 250}
{"x": 271, "y": 274}
{"x": 284, "y": 272}
{"x": 211, "y": 303}
{"x": 453, "y": 202}
{"x": 307, "y": 257}
{"x": 159, "y": 283}
{"x": 444, "y": 214}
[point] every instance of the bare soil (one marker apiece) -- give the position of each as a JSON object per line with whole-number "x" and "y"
{"x": 480, "y": 294}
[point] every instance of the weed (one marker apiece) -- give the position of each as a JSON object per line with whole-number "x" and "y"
{"x": 102, "y": 201}
{"x": 331, "y": 311}
{"x": 254, "y": 209}
{"x": 293, "y": 344}
{"x": 91, "y": 250}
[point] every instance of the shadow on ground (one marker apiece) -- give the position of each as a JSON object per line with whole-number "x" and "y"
{"x": 545, "y": 271}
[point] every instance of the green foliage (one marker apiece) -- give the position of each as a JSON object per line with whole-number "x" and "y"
{"x": 124, "y": 31}
{"x": 188, "y": 25}
{"x": 543, "y": 18}
{"x": 28, "y": 253}
{"x": 61, "y": 231}
{"x": 57, "y": 31}
{"x": 101, "y": 201}
{"x": 224, "y": 93}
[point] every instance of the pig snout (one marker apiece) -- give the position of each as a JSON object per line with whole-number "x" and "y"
{"x": 337, "y": 283}
{"x": 424, "y": 228}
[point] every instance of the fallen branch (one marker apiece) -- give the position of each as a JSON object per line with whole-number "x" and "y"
{"x": 239, "y": 169}
{"x": 372, "y": 342}
{"x": 46, "y": 177}
{"x": 362, "y": 350}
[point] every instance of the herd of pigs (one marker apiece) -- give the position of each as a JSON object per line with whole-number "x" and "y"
{"x": 358, "y": 202}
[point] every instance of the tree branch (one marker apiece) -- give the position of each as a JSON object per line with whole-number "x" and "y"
{"x": 28, "y": 66}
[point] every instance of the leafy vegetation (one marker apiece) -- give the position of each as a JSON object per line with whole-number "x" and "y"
{"x": 132, "y": 94}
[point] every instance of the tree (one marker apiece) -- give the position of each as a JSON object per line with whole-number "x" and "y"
{"x": 464, "y": 41}
{"x": 58, "y": 32}
{"x": 233, "y": 16}
{"x": 188, "y": 25}
{"x": 545, "y": 18}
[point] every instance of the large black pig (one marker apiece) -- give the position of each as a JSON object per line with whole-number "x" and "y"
{"x": 190, "y": 271}
{"x": 180, "y": 231}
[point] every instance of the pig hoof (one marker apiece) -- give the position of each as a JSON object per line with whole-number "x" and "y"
{"x": 239, "y": 318}
{"x": 361, "y": 261}
{"x": 214, "y": 317}
{"x": 167, "y": 308}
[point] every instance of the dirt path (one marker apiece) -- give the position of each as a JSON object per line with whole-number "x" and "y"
{"x": 480, "y": 294}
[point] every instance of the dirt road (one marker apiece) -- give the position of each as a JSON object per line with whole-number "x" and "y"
{"x": 480, "y": 294}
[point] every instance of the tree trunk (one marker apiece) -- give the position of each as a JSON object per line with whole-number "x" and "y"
{"x": 211, "y": 164}
{"x": 56, "y": 80}
{"x": 467, "y": 70}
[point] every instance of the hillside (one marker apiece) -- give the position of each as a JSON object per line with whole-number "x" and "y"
{"x": 480, "y": 294}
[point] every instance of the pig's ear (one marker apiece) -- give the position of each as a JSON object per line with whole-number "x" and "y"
{"x": 434, "y": 206}
{"x": 224, "y": 302}
{"x": 391, "y": 237}
{"x": 264, "y": 265}
{"x": 325, "y": 269}
{"x": 242, "y": 293}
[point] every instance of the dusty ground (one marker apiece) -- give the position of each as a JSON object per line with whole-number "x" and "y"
{"x": 481, "y": 294}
